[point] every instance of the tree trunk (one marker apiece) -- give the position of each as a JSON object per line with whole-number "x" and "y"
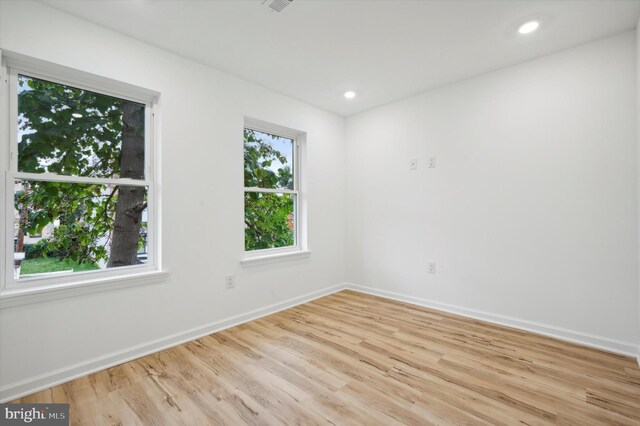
{"x": 22, "y": 220}
{"x": 131, "y": 199}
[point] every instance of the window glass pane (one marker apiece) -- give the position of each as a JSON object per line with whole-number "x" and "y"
{"x": 71, "y": 227}
{"x": 75, "y": 132}
{"x": 268, "y": 160}
{"x": 269, "y": 220}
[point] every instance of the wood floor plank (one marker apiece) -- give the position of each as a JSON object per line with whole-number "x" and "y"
{"x": 352, "y": 359}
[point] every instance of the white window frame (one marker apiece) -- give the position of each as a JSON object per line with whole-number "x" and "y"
{"x": 13, "y": 65}
{"x": 300, "y": 248}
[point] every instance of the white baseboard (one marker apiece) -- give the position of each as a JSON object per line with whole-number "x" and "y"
{"x": 44, "y": 381}
{"x": 589, "y": 340}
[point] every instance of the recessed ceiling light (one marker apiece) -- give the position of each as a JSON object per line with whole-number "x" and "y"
{"x": 76, "y": 115}
{"x": 349, "y": 94}
{"x": 528, "y": 27}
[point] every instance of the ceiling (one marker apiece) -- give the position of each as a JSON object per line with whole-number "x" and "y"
{"x": 315, "y": 50}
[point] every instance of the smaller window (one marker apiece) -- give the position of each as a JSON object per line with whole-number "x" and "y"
{"x": 271, "y": 190}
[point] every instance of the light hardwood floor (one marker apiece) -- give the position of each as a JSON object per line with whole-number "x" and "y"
{"x": 351, "y": 358}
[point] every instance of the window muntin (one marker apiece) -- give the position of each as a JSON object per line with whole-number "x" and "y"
{"x": 271, "y": 199}
{"x": 85, "y": 159}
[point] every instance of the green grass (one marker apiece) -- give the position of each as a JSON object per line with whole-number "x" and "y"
{"x": 53, "y": 264}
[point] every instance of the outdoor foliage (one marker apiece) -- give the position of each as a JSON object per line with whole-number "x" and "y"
{"x": 35, "y": 251}
{"x": 268, "y": 216}
{"x": 74, "y": 132}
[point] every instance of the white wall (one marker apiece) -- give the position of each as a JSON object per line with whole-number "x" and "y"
{"x": 201, "y": 130}
{"x": 531, "y": 212}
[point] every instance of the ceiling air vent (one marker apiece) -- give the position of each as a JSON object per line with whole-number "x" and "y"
{"x": 277, "y": 5}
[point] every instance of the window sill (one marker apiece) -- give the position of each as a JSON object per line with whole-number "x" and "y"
{"x": 275, "y": 257}
{"x": 26, "y": 296}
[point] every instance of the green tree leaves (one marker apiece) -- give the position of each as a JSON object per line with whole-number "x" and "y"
{"x": 68, "y": 131}
{"x": 268, "y": 220}
{"x": 259, "y": 158}
{"x": 269, "y": 217}
{"x": 73, "y": 132}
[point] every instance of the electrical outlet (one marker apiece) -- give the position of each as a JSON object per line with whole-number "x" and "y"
{"x": 230, "y": 281}
{"x": 431, "y": 267}
{"x": 433, "y": 162}
{"x": 413, "y": 164}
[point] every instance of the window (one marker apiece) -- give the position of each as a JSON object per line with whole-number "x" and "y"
{"x": 80, "y": 179}
{"x": 272, "y": 197}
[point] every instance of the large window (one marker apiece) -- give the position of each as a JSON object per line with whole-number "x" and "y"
{"x": 272, "y": 190}
{"x": 80, "y": 180}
